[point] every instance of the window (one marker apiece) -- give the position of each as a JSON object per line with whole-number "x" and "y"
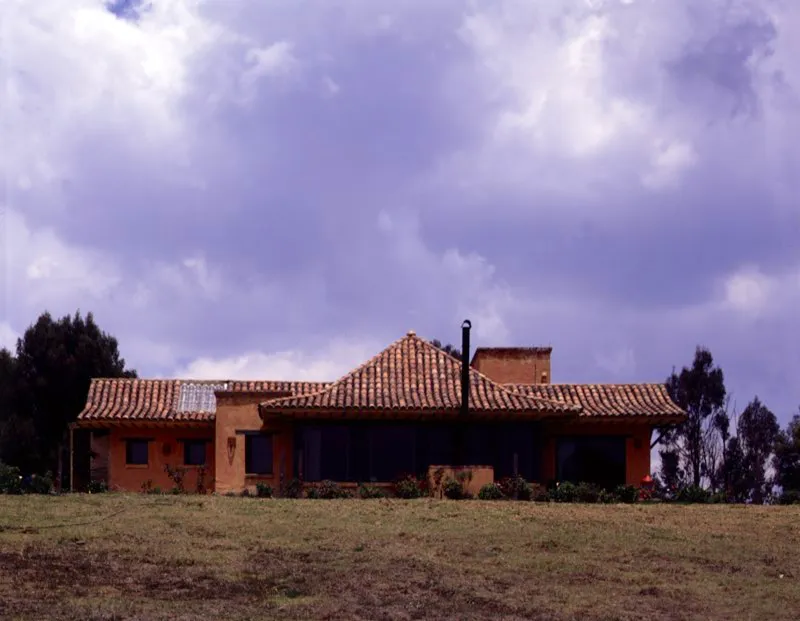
{"x": 592, "y": 459}
{"x": 194, "y": 452}
{"x": 258, "y": 454}
{"x": 136, "y": 452}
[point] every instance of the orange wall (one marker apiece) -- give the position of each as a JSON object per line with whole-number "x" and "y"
{"x": 637, "y": 446}
{"x": 240, "y": 413}
{"x": 127, "y": 477}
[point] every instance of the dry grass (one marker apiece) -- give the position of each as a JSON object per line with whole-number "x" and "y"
{"x": 153, "y": 557}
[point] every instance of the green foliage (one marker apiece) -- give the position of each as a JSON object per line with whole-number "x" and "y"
{"x": 693, "y": 494}
{"x": 790, "y": 497}
{"x": 10, "y": 479}
{"x": 409, "y": 487}
{"x": 293, "y": 489}
{"x": 367, "y": 491}
{"x": 606, "y": 497}
{"x": 454, "y": 490}
{"x": 757, "y": 431}
{"x": 263, "y": 490}
{"x": 97, "y": 487}
{"x": 448, "y": 349}
{"x": 327, "y": 490}
{"x": 700, "y": 391}
{"x": 787, "y": 457}
{"x": 564, "y": 492}
{"x": 516, "y": 488}
{"x": 587, "y": 492}
{"x": 627, "y": 493}
{"x": 491, "y": 491}
{"x": 39, "y": 484}
{"x": 44, "y": 387}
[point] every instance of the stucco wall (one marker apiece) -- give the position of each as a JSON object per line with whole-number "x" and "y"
{"x": 164, "y": 448}
{"x": 637, "y": 446}
{"x": 237, "y": 414}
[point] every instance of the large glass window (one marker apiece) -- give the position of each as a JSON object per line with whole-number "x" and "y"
{"x": 258, "y": 454}
{"x": 591, "y": 459}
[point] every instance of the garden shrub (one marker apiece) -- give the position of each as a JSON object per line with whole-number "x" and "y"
{"x": 97, "y": 487}
{"x": 263, "y": 490}
{"x": 491, "y": 491}
{"x": 366, "y": 491}
{"x": 606, "y": 497}
{"x": 454, "y": 490}
{"x": 627, "y": 493}
{"x": 693, "y": 494}
{"x": 177, "y": 476}
{"x": 516, "y": 488}
{"x": 10, "y": 479}
{"x": 790, "y": 497}
{"x": 409, "y": 487}
{"x": 564, "y": 492}
{"x": 539, "y": 493}
{"x": 587, "y": 492}
{"x": 293, "y": 489}
{"x": 327, "y": 490}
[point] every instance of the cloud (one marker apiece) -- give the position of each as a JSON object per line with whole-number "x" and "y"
{"x": 222, "y": 182}
{"x": 326, "y": 363}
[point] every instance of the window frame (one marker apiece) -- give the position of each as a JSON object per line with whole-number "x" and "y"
{"x": 187, "y": 442}
{"x": 129, "y": 442}
{"x": 248, "y": 441}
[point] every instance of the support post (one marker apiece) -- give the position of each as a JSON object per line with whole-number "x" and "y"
{"x": 72, "y": 457}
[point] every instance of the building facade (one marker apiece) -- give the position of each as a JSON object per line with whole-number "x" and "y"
{"x": 401, "y": 412}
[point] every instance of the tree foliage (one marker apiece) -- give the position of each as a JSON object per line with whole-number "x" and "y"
{"x": 44, "y": 387}
{"x": 787, "y": 456}
{"x": 700, "y": 391}
{"x": 448, "y": 349}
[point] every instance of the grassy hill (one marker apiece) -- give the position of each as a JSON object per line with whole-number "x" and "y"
{"x": 116, "y": 556}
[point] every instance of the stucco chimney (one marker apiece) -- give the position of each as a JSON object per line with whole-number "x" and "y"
{"x": 514, "y": 365}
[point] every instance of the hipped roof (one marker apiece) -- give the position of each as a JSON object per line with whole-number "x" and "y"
{"x": 414, "y": 375}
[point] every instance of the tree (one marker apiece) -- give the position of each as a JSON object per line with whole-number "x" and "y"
{"x": 757, "y": 432}
{"x": 54, "y": 364}
{"x": 448, "y": 349}
{"x": 787, "y": 456}
{"x": 700, "y": 391}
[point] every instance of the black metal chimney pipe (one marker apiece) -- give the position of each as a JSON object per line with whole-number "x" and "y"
{"x": 465, "y": 328}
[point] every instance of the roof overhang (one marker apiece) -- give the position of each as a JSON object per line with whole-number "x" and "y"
{"x": 274, "y": 415}
{"x": 140, "y": 422}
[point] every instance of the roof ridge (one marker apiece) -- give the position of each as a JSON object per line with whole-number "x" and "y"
{"x": 335, "y": 384}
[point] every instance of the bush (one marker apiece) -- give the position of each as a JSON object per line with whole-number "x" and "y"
{"x": 693, "y": 494}
{"x": 10, "y": 479}
{"x": 293, "y": 489}
{"x": 564, "y": 492}
{"x": 455, "y": 490}
{"x": 790, "y": 497}
{"x": 263, "y": 490}
{"x": 587, "y": 492}
{"x": 607, "y": 497}
{"x": 491, "y": 491}
{"x": 627, "y": 493}
{"x": 516, "y": 488}
{"x": 539, "y": 493}
{"x": 327, "y": 490}
{"x": 370, "y": 491}
{"x": 97, "y": 487}
{"x": 409, "y": 487}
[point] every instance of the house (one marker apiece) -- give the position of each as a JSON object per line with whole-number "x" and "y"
{"x": 400, "y": 412}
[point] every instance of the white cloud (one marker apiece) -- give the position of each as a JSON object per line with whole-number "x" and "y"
{"x": 668, "y": 162}
{"x": 8, "y": 337}
{"x": 327, "y": 364}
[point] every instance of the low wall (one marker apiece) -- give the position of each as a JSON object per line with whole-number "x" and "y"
{"x": 480, "y": 476}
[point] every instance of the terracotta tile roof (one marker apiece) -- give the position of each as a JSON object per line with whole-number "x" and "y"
{"x": 170, "y": 400}
{"x": 607, "y": 400}
{"x": 414, "y": 375}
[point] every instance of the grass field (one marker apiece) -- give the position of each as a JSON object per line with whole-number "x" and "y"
{"x": 112, "y": 556}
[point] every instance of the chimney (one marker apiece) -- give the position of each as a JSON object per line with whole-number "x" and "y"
{"x": 514, "y": 365}
{"x": 465, "y": 328}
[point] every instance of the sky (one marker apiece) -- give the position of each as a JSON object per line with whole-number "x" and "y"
{"x": 278, "y": 190}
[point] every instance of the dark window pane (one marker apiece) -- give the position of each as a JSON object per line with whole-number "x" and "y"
{"x": 334, "y": 447}
{"x": 599, "y": 460}
{"x": 194, "y": 452}
{"x": 393, "y": 448}
{"x": 258, "y": 454}
{"x": 136, "y": 452}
